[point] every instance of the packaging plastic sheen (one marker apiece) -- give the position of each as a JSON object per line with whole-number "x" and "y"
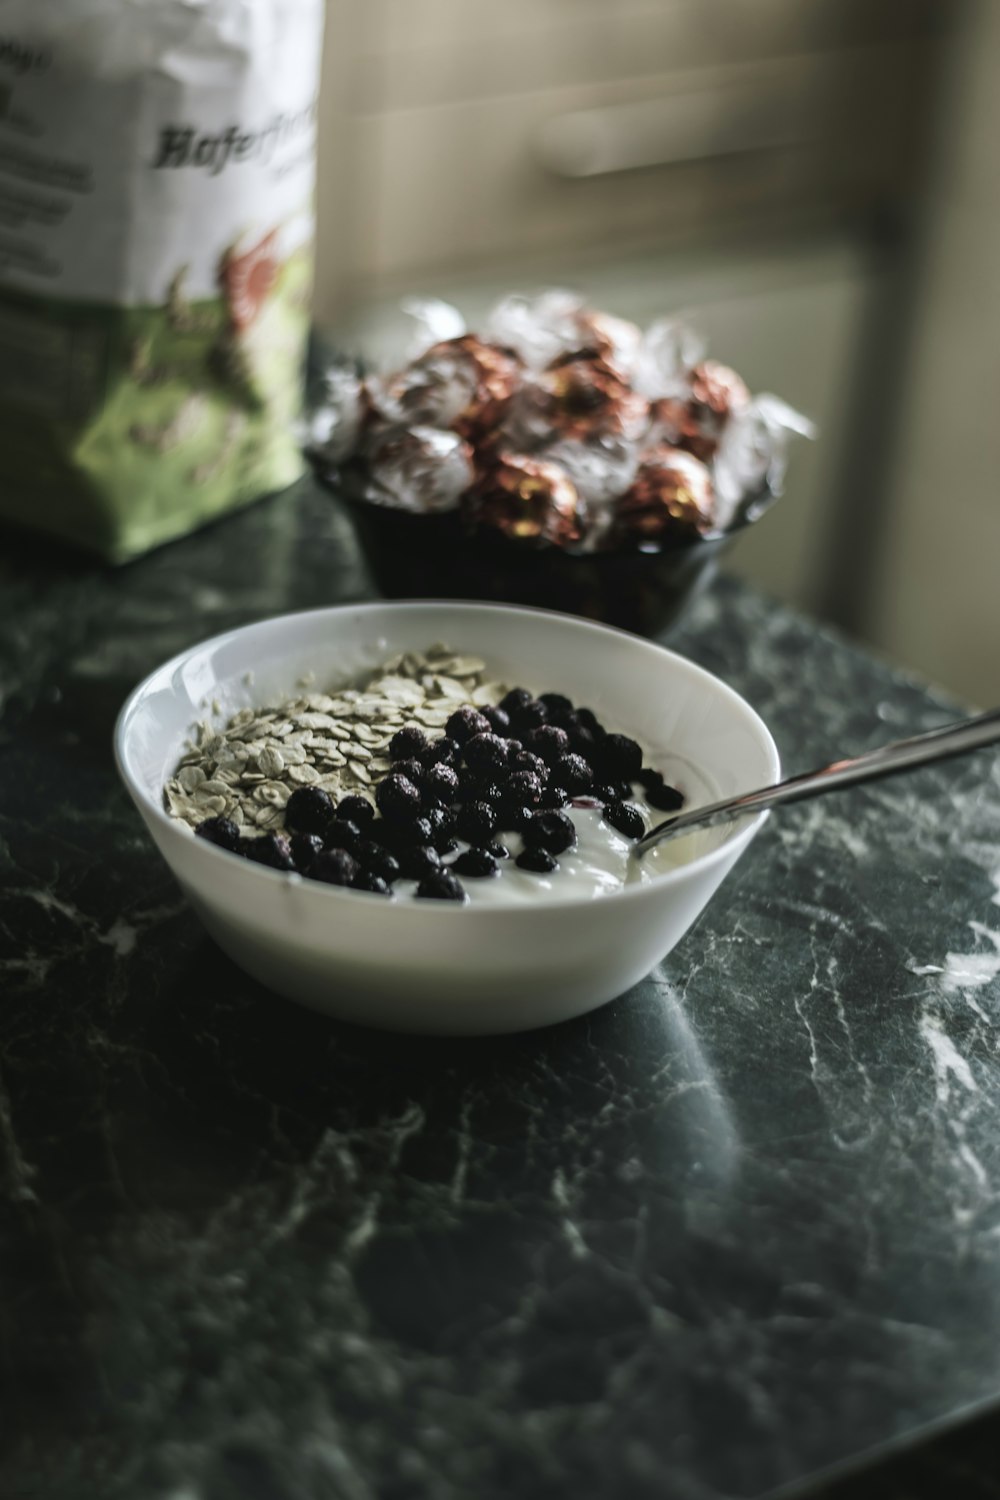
{"x": 157, "y": 164}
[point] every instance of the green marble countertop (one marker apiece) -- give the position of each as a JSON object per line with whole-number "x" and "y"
{"x": 737, "y": 1229}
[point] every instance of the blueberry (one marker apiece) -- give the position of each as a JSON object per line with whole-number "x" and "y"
{"x": 485, "y": 752}
{"x": 585, "y": 718}
{"x": 548, "y": 742}
{"x": 665, "y": 798}
{"x": 476, "y": 822}
{"x": 357, "y": 809}
{"x": 377, "y": 860}
{"x": 620, "y": 757}
{"x": 465, "y": 723}
{"x": 497, "y": 718}
{"x": 335, "y": 867}
{"x": 408, "y": 743}
{"x": 583, "y": 742}
{"x": 611, "y": 791}
{"x": 387, "y": 833}
{"x": 469, "y": 782}
{"x": 414, "y": 831}
{"x": 222, "y": 832}
{"x": 554, "y": 831}
{"x": 572, "y": 772}
{"x": 524, "y": 787}
{"x": 498, "y": 851}
{"x": 514, "y": 747}
{"x": 530, "y": 716}
{"x": 490, "y": 791}
{"x": 446, "y": 844}
{"x": 441, "y": 820}
{"x": 440, "y": 784}
{"x": 476, "y": 862}
{"x": 515, "y": 699}
{"x": 413, "y": 770}
{"x": 398, "y": 799}
{"x": 626, "y": 817}
{"x": 308, "y": 810}
{"x": 512, "y": 815}
{"x": 528, "y": 761}
{"x": 367, "y": 880}
{"x": 649, "y": 779}
{"x": 553, "y": 795}
{"x": 442, "y": 752}
{"x": 305, "y": 847}
{"x": 558, "y": 705}
{"x": 418, "y": 861}
{"x": 341, "y": 833}
{"x": 273, "y": 850}
{"x": 442, "y": 885}
{"x": 540, "y": 861}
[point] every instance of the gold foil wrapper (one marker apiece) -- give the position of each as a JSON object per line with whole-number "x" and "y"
{"x": 526, "y": 500}
{"x": 671, "y": 496}
{"x": 696, "y": 421}
{"x": 464, "y": 384}
{"x": 583, "y": 397}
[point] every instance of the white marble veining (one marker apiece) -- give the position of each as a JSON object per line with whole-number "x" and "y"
{"x": 738, "y": 1226}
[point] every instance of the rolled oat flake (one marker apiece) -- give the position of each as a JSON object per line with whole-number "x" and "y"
{"x": 156, "y": 180}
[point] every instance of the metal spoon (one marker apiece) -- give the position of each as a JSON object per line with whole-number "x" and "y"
{"x": 888, "y": 760}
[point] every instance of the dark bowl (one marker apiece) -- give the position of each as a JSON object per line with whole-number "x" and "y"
{"x": 414, "y": 555}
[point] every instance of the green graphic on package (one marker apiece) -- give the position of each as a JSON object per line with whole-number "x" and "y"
{"x": 155, "y": 262}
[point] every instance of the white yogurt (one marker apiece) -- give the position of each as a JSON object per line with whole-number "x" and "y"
{"x": 600, "y": 862}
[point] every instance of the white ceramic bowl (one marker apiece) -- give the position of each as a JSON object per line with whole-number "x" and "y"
{"x": 426, "y": 966}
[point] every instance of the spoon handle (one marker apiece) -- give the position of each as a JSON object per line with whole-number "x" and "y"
{"x": 887, "y": 760}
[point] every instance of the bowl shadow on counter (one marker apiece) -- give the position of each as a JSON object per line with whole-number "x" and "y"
{"x": 248, "y": 1059}
{"x": 412, "y": 555}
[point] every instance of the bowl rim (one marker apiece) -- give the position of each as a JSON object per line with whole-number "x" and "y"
{"x": 733, "y": 844}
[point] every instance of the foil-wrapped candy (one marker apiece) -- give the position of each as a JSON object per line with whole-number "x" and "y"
{"x": 752, "y": 454}
{"x": 433, "y": 322}
{"x": 420, "y": 469}
{"x": 526, "y": 499}
{"x": 563, "y": 425}
{"x": 669, "y": 349}
{"x": 697, "y": 419}
{"x": 579, "y": 397}
{"x": 616, "y": 340}
{"x": 333, "y": 428}
{"x": 464, "y": 384}
{"x": 601, "y": 471}
{"x": 672, "y": 495}
{"x": 557, "y": 323}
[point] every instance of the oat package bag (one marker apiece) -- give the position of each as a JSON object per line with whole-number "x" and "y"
{"x": 156, "y": 181}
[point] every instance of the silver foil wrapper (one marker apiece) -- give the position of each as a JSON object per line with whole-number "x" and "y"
{"x": 420, "y": 469}
{"x": 333, "y": 428}
{"x": 557, "y": 323}
{"x": 752, "y": 455}
{"x": 464, "y": 384}
{"x": 561, "y": 425}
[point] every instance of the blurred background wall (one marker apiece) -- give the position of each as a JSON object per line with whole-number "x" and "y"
{"x": 812, "y": 181}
